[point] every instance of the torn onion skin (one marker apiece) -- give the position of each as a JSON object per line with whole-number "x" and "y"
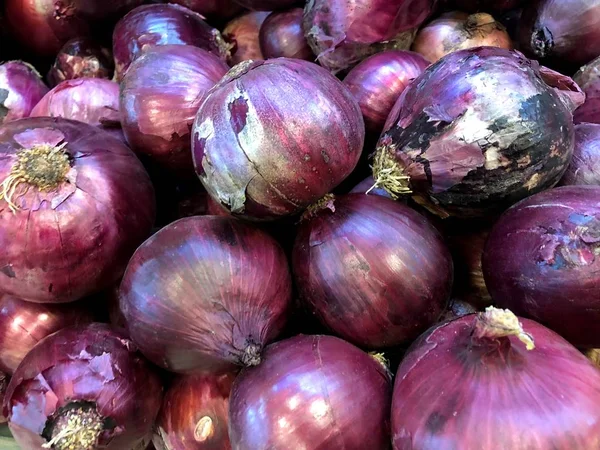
{"x": 585, "y": 164}
{"x": 550, "y": 272}
{"x": 21, "y": 88}
{"x": 281, "y": 35}
{"x": 588, "y": 78}
{"x": 242, "y": 34}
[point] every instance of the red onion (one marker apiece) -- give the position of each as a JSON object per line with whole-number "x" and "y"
{"x": 194, "y": 415}
{"x": 75, "y": 203}
{"x": 456, "y": 30}
{"x": 212, "y": 9}
{"x": 378, "y": 81}
{"x": 471, "y": 384}
{"x": 206, "y": 294}
{"x": 267, "y": 5}
{"x": 471, "y": 135}
{"x": 261, "y": 155}
{"x": 157, "y": 25}
{"x": 343, "y": 33}
{"x": 588, "y": 78}
{"x": 21, "y": 87}
{"x": 374, "y": 271}
{"x": 585, "y": 164}
{"x": 281, "y": 35}
{"x": 242, "y": 34}
{"x": 83, "y": 388}
{"x": 488, "y": 5}
{"x": 318, "y": 392}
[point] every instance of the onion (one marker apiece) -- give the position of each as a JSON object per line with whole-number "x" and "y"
{"x": 343, "y": 33}
{"x": 488, "y": 5}
{"x": 551, "y": 269}
{"x": 152, "y": 25}
{"x": 212, "y": 9}
{"x": 242, "y": 34}
{"x": 160, "y": 95}
{"x": 281, "y": 35}
{"x": 318, "y": 392}
{"x": 588, "y": 78}
{"x": 206, "y": 294}
{"x": 374, "y": 271}
{"x": 21, "y": 87}
{"x": 267, "y": 5}
{"x": 75, "y": 203}
{"x": 456, "y": 30}
{"x": 194, "y": 415}
{"x": 263, "y": 157}
{"x": 83, "y": 388}
{"x": 471, "y": 134}
{"x": 585, "y": 164}
{"x": 471, "y": 384}
{"x": 377, "y": 83}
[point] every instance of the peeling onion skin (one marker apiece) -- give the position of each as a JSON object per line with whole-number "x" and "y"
{"x": 203, "y": 290}
{"x": 472, "y": 132}
{"x": 374, "y": 271}
{"x": 90, "y": 363}
{"x": 21, "y": 87}
{"x": 213, "y": 10}
{"x": 281, "y": 35}
{"x": 327, "y": 393}
{"x": 267, "y": 5}
{"x": 453, "y": 392}
{"x": 588, "y": 78}
{"x": 585, "y": 164}
{"x": 260, "y": 155}
{"x": 242, "y": 33}
{"x": 550, "y": 272}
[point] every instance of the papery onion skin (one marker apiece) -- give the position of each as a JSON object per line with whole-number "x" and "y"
{"x": 93, "y": 364}
{"x": 267, "y": 5}
{"x": 374, "y": 271}
{"x": 194, "y": 415}
{"x": 588, "y": 78}
{"x": 585, "y": 164}
{"x": 81, "y": 58}
{"x": 378, "y": 81}
{"x": 160, "y": 96}
{"x": 242, "y": 33}
{"x": 281, "y": 35}
{"x": 205, "y": 294}
{"x": 470, "y": 136}
{"x": 487, "y": 5}
{"x": 259, "y": 154}
{"x": 80, "y": 235}
{"x": 21, "y": 87}
{"x": 213, "y": 10}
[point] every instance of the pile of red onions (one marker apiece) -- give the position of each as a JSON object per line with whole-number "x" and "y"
{"x": 585, "y": 164}
{"x": 81, "y": 58}
{"x": 588, "y": 78}
{"x": 74, "y": 205}
{"x": 261, "y": 155}
{"x": 242, "y": 34}
{"x": 212, "y": 9}
{"x": 83, "y": 387}
{"x": 21, "y": 87}
{"x": 471, "y": 383}
{"x": 318, "y": 392}
{"x": 206, "y": 293}
{"x": 281, "y": 35}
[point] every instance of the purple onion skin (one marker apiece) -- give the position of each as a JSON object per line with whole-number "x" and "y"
{"x": 453, "y": 391}
{"x": 158, "y": 25}
{"x": 488, "y": 5}
{"x": 374, "y": 271}
{"x": 21, "y": 87}
{"x": 541, "y": 261}
{"x": 242, "y": 33}
{"x": 90, "y": 363}
{"x": 585, "y": 164}
{"x": 267, "y": 5}
{"x": 378, "y": 81}
{"x": 588, "y": 78}
{"x": 259, "y": 154}
{"x": 203, "y": 292}
{"x": 160, "y": 96}
{"x": 80, "y": 235}
{"x": 365, "y": 186}
{"x": 281, "y": 35}
{"x": 81, "y": 58}
{"x": 213, "y": 10}
{"x": 318, "y": 392}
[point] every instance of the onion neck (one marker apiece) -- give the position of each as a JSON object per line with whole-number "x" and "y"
{"x": 251, "y": 355}
{"x": 327, "y": 202}
{"x": 76, "y": 427}
{"x": 495, "y": 323}
{"x": 542, "y": 42}
{"x": 481, "y": 22}
{"x": 389, "y": 174}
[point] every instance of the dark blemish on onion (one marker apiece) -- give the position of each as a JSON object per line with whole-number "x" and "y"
{"x": 418, "y": 134}
{"x": 50, "y": 287}
{"x": 8, "y": 271}
{"x": 238, "y": 110}
{"x": 435, "y": 422}
{"x": 226, "y": 233}
{"x": 325, "y": 156}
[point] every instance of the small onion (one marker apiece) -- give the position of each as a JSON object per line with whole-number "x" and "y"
{"x": 206, "y": 294}
{"x": 456, "y": 30}
{"x": 267, "y": 5}
{"x": 261, "y": 155}
{"x": 242, "y": 35}
{"x": 588, "y": 78}
{"x": 585, "y": 164}
{"x": 21, "y": 87}
{"x": 81, "y": 58}
{"x": 471, "y": 384}
{"x": 281, "y": 35}
{"x": 212, "y": 9}
{"x": 487, "y": 5}
{"x": 83, "y": 388}
{"x": 374, "y": 271}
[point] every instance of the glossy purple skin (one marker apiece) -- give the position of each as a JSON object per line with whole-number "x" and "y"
{"x": 90, "y": 363}
{"x": 365, "y": 185}
{"x": 542, "y": 261}
{"x": 585, "y": 164}
{"x": 21, "y": 87}
{"x": 374, "y": 271}
{"x": 81, "y": 58}
{"x": 160, "y": 96}
{"x": 259, "y": 154}
{"x": 242, "y": 34}
{"x": 158, "y": 25}
{"x": 588, "y": 78}
{"x": 212, "y": 9}
{"x": 201, "y": 290}
{"x": 267, "y": 5}
{"x": 319, "y": 392}
{"x": 378, "y": 81}
{"x": 487, "y": 5}
{"x": 281, "y": 35}
{"x": 80, "y": 236}
{"x": 455, "y": 392}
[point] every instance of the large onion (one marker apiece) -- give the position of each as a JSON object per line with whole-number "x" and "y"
{"x": 317, "y": 392}
{"x": 213, "y": 10}
{"x": 281, "y": 35}
{"x": 81, "y": 58}
{"x": 585, "y": 164}
{"x": 21, "y": 87}
{"x": 242, "y": 34}
{"x": 261, "y": 155}
{"x": 588, "y": 78}
{"x": 477, "y": 131}
{"x": 75, "y": 204}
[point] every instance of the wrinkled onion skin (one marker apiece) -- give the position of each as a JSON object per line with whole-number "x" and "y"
{"x": 80, "y": 236}
{"x": 318, "y": 392}
{"x": 259, "y": 154}
{"x": 550, "y": 271}
{"x": 21, "y": 87}
{"x": 212, "y": 9}
{"x": 585, "y": 164}
{"x": 374, "y": 271}
{"x": 242, "y": 33}
{"x": 81, "y": 58}
{"x": 267, "y": 5}
{"x": 281, "y": 35}
{"x": 89, "y": 363}
{"x": 200, "y": 289}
